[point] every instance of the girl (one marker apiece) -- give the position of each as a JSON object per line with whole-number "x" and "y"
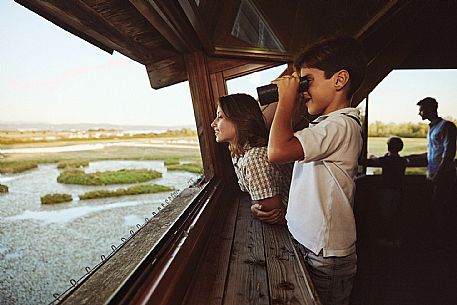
{"x": 240, "y": 123}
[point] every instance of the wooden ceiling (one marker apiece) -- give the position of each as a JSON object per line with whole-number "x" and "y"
{"x": 158, "y": 33}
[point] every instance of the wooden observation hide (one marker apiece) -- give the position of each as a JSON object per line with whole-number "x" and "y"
{"x": 208, "y": 42}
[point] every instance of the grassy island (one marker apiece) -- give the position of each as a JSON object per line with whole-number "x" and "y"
{"x": 55, "y": 198}
{"x": 123, "y": 176}
{"x": 188, "y": 167}
{"x": 173, "y": 164}
{"x": 134, "y": 190}
{"x": 19, "y": 166}
{"x": 3, "y": 188}
{"x": 72, "y": 163}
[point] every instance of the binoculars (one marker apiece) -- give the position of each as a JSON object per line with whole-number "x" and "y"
{"x": 269, "y": 93}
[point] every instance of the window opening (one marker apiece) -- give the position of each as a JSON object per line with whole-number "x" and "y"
{"x": 75, "y": 112}
{"x": 393, "y": 110}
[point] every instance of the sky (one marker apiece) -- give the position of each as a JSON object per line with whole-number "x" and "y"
{"x": 49, "y": 75}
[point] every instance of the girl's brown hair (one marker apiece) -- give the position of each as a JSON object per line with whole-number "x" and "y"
{"x": 244, "y": 111}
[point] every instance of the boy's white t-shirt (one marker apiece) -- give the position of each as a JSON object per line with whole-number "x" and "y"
{"x": 319, "y": 214}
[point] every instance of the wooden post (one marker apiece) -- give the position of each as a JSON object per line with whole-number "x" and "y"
{"x": 203, "y": 100}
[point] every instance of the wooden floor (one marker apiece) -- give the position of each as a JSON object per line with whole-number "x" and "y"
{"x": 249, "y": 262}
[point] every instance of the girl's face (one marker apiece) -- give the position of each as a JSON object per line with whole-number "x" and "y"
{"x": 224, "y": 128}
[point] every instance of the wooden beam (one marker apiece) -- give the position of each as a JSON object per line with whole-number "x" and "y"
{"x": 170, "y": 20}
{"x": 204, "y": 108}
{"x": 195, "y": 19}
{"x": 232, "y": 67}
{"x": 395, "y": 49}
{"x": 77, "y": 15}
{"x": 167, "y": 72}
{"x": 156, "y": 20}
{"x": 380, "y": 18}
{"x": 252, "y": 53}
{"x": 39, "y": 9}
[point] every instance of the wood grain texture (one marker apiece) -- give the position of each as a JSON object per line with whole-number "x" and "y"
{"x": 204, "y": 110}
{"x": 287, "y": 280}
{"x": 208, "y": 285}
{"x": 247, "y": 281}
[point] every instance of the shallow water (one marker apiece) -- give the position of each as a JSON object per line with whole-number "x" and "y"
{"x": 42, "y": 247}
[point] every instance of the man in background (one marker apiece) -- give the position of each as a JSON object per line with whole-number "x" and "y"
{"x": 441, "y": 171}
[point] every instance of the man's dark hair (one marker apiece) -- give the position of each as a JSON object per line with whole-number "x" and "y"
{"x": 428, "y": 102}
{"x": 333, "y": 54}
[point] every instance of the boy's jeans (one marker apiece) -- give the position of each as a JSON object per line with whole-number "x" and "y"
{"x": 332, "y": 276}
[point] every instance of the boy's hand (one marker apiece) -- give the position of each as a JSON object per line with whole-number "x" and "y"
{"x": 283, "y": 146}
{"x": 288, "y": 88}
{"x": 275, "y": 216}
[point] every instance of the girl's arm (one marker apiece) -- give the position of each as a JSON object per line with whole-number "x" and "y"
{"x": 270, "y": 210}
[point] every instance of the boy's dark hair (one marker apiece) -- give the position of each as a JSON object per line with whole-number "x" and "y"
{"x": 244, "y": 111}
{"x": 394, "y": 144}
{"x": 428, "y": 102}
{"x": 333, "y": 54}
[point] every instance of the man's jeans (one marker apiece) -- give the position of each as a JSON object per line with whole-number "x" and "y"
{"x": 332, "y": 277}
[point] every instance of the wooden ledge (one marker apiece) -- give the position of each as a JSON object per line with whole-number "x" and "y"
{"x": 250, "y": 262}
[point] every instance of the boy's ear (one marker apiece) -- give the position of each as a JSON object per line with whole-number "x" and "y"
{"x": 341, "y": 79}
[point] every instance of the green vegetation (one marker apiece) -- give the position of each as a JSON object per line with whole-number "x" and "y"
{"x": 416, "y": 171}
{"x": 173, "y": 164}
{"x": 76, "y": 176}
{"x": 3, "y": 188}
{"x": 134, "y": 190}
{"x": 188, "y": 167}
{"x": 405, "y": 130}
{"x": 27, "y": 137}
{"x": 378, "y": 146}
{"x": 55, "y": 198}
{"x": 183, "y": 132}
{"x": 171, "y": 161}
{"x": 72, "y": 163}
{"x": 12, "y": 167}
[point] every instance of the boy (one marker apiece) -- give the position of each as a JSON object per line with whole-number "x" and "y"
{"x": 319, "y": 213}
{"x": 393, "y": 166}
{"x": 389, "y": 195}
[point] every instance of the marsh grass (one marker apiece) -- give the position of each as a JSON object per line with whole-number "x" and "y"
{"x": 72, "y": 163}
{"x": 123, "y": 176}
{"x": 170, "y": 161}
{"x": 55, "y": 198}
{"x": 134, "y": 190}
{"x": 188, "y": 167}
{"x": 3, "y": 188}
{"x": 17, "y": 166}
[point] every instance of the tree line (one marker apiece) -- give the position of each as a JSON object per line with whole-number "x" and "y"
{"x": 404, "y": 130}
